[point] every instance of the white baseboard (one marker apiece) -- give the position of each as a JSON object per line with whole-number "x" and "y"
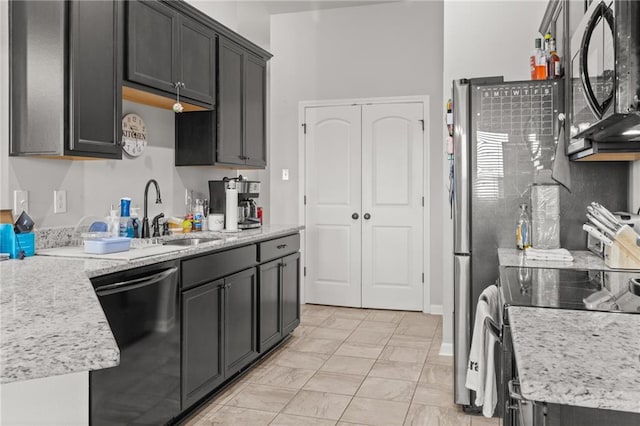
{"x": 446, "y": 349}
{"x": 435, "y": 309}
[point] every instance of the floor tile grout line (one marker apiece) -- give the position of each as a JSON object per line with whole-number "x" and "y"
{"x": 368, "y": 373}
{"x": 323, "y": 364}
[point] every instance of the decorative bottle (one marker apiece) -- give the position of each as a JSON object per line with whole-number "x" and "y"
{"x": 523, "y": 229}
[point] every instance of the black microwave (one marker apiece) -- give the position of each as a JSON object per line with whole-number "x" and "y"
{"x": 604, "y": 80}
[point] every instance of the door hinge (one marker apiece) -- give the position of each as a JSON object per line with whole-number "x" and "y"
{"x": 423, "y": 277}
{"x": 305, "y": 271}
{"x": 304, "y": 128}
{"x": 305, "y": 200}
{"x": 422, "y": 122}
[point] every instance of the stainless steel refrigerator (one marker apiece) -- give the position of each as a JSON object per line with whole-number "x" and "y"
{"x": 504, "y": 141}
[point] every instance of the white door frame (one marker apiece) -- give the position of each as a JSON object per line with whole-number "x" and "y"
{"x": 424, "y": 99}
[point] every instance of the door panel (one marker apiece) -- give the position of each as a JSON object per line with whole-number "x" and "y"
{"x": 392, "y": 181}
{"x": 202, "y": 341}
{"x": 255, "y": 130}
{"x": 197, "y": 61}
{"x": 230, "y": 127}
{"x": 97, "y": 78}
{"x": 240, "y": 321}
{"x": 333, "y": 187}
{"x": 152, "y": 44}
{"x": 270, "y": 325}
{"x": 290, "y": 293}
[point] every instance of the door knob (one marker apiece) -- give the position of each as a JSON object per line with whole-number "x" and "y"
{"x": 367, "y": 216}
{"x": 355, "y": 216}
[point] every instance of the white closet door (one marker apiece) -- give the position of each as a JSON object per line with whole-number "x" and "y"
{"x": 392, "y": 189}
{"x": 333, "y": 190}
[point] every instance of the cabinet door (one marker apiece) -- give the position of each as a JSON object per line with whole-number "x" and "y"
{"x": 255, "y": 78}
{"x": 230, "y": 106}
{"x": 290, "y": 293}
{"x": 152, "y": 45}
{"x": 240, "y": 320}
{"x": 270, "y": 305}
{"x": 202, "y": 341}
{"x": 96, "y": 78}
{"x": 197, "y": 64}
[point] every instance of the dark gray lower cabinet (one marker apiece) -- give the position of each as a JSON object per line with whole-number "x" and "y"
{"x": 270, "y": 304}
{"x": 202, "y": 341}
{"x": 279, "y": 299}
{"x": 231, "y": 318}
{"x": 240, "y": 320}
{"x": 290, "y": 293}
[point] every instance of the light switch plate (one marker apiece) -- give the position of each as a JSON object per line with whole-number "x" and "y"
{"x": 285, "y": 174}
{"x": 59, "y": 201}
{"x": 20, "y": 202}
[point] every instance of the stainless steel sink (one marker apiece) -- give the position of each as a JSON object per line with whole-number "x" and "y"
{"x": 190, "y": 241}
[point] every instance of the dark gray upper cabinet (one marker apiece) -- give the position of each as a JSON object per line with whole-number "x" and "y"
{"x": 241, "y": 107}
{"x": 235, "y": 134}
{"x": 202, "y": 341}
{"x": 230, "y": 146}
{"x": 65, "y": 79}
{"x": 166, "y": 48}
{"x": 255, "y": 77}
{"x": 152, "y": 45}
{"x": 197, "y": 65}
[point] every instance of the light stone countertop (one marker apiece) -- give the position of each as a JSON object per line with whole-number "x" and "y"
{"x": 579, "y": 358}
{"x": 582, "y": 259}
{"x": 51, "y": 322}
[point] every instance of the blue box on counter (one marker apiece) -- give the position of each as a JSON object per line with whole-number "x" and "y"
{"x": 107, "y": 245}
{"x": 12, "y": 243}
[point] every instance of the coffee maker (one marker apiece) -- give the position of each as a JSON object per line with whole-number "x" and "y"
{"x": 248, "y": 191}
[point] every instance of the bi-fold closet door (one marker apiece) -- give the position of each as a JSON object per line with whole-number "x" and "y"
{"x": 364, "y": 207}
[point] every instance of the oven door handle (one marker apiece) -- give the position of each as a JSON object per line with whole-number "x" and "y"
{"x": 493, "y": 328}
{"x": 514, "y": 390}
{"x": 604, "y": 12}
{"x": 134, "y": 284}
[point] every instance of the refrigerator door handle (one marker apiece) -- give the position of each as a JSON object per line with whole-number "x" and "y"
{"x": 461, "y": 325}
{"x": 461, "y": 167}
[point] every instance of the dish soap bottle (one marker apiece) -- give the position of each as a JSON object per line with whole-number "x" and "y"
{"x": 523, "y": 229}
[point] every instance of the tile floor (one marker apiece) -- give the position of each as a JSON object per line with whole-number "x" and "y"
{"x": 348, "y": 367}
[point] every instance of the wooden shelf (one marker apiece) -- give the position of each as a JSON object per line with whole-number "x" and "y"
{"x": 151, "y": 99}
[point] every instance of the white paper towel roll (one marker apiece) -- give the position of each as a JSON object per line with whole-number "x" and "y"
{"x": 231, "y": 213}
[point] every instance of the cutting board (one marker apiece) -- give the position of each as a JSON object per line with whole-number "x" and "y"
{"x": 134, "y": 253}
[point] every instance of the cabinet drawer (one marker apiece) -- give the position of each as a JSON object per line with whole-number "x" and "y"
{"x": 216, "y": 265}
{"x": 279, "y": 247}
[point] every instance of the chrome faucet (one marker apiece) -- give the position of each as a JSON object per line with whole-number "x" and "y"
{"x": 145, "y": 220}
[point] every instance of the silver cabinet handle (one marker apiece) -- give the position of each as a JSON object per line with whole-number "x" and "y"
{"x": 367, "y": 216}
{"x": 355, "y": 216}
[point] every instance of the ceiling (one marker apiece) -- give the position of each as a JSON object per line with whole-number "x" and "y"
{"x": 292, "y": 6}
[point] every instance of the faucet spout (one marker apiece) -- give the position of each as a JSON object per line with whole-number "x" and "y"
{"x": 145, "y": 220}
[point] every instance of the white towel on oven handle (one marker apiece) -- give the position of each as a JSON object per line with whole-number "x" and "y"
{"x": 481, "y": 375}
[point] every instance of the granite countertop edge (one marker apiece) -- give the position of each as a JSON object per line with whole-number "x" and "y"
{"x": 578, "y": 358}
{"x": 51, "y": 321}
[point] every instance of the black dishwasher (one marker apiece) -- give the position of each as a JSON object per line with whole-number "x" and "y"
{"x": 143, "y": 310}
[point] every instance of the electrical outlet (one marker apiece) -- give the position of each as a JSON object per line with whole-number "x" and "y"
{"x": 59, "y": 201}
{"x": 285, "y": 174}
{"x": 20, "y": 202}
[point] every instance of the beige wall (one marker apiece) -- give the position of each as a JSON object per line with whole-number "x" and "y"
{"x": 392, "y": 49}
